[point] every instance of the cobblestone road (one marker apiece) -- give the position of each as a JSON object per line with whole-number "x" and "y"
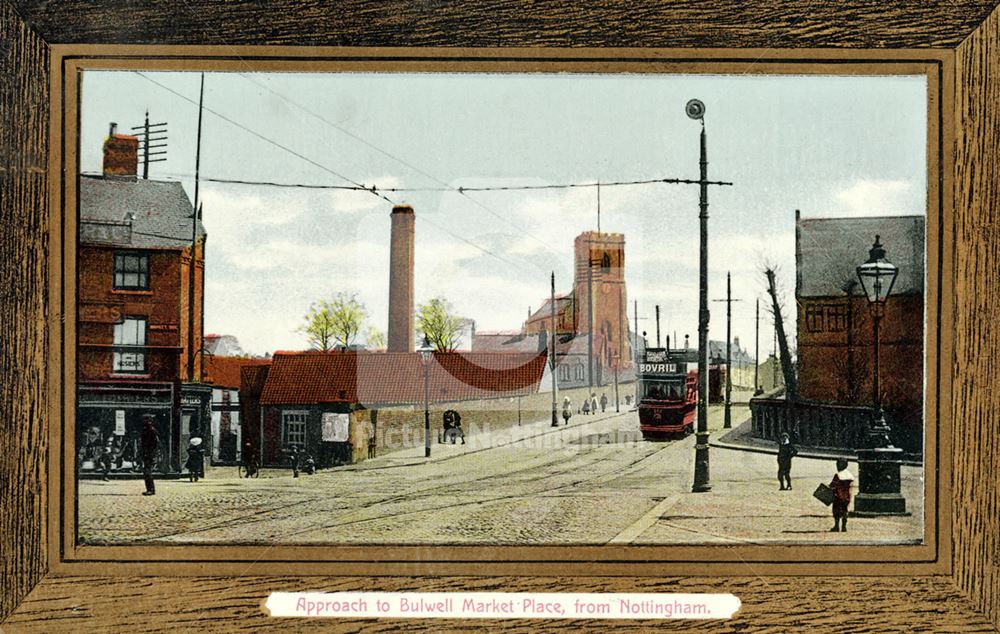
{"x": 593, "y": 482}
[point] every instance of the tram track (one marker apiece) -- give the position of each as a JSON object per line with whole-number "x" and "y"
{"x": 562, "y": 464}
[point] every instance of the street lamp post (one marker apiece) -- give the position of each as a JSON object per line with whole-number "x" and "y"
{"x": 879, "y": 462}
{"x": 695, "y": 109}
{"x": 426, "y": 353}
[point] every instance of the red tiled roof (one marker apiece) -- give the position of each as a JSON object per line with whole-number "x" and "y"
{"x": 398, "y": 377}
{"x": 252, "y": 379}
{"x": 225, "y": 371}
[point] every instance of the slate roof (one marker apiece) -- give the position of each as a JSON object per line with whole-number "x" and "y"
{"x": 504, "y": 342}
{"x": 309, "y": 378}
{"x": 161, "y": 213}
{"x": 828, "y": 250}
{"x": 545, "y": 311}
{"x": 225, "y": 371}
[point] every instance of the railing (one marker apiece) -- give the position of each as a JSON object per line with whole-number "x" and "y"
{"x": 810, "y": 424}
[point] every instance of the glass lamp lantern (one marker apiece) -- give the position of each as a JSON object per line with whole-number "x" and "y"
{"x": 877, "y": 276}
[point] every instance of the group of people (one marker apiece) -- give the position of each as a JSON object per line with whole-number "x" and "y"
{"x": 840, "y": 485}
{"x": 590, "y": 404}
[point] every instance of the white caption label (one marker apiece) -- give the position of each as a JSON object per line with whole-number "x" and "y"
{"x": 494, "y": 605}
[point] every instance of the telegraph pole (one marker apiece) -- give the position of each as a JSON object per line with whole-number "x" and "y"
{"x": 149, "y": 146}
{"x": 728, "y": 420}
{"x": 193, "y": 349}
{"x": 657, "y": 325}
{"x": 552, "y": 353}
{"x": 590, "y": 315}
{"x": 756, "y": 347}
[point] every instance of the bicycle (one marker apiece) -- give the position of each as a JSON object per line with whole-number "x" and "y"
{"x": 251, "y": 470}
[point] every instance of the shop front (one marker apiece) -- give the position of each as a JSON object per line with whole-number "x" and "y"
{"x": 111, "y": 416}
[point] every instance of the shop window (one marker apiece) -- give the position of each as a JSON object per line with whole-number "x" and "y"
{"x": 132, "y": 271}
{"x": 293, "y": 428}
{"x": 130, "y": 342}
{"x": 564, "y": 373}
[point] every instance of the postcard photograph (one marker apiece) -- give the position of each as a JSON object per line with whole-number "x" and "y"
{"x": 469, "y": 308}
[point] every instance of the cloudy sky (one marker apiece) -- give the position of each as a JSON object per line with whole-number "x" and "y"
{"x": 829, "y": 146}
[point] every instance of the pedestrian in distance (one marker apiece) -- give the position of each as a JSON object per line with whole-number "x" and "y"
{"x": 841, "y": 486}
{"x": 786, "y": 451}
{"x": 567, "y": 410}
{"x": 593, "y": 403}
{"x": 249, "y": 459}
{"x": 604, "y": 401}
{"x": 196, "y": 459}
{"x": 293, "y": 455}
{"x": 105, "y": 461}
{"x": 586, "y": 406}
{"x": 149, "y": 443}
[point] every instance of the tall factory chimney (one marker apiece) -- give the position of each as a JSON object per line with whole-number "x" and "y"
{"x": 400, "y": 337}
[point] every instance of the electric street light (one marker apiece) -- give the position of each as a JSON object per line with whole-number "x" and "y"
{"x": 426, "y": 353}
{"x": 695, "y": 109}
{"x": 878, "y": 463}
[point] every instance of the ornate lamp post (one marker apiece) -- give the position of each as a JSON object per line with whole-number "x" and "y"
{"x": 879, "y": 487}
{"x": 695, "y": 109}
{"x": 426, "y": 353}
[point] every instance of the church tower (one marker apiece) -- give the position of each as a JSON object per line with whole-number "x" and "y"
{"x": 600, "y": 299}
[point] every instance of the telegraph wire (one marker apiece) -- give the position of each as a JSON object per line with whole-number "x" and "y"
{"x": 444, "y": 186}
{"x": 356, "y": 186}
{"x": 249, "y": 130}
{"x": 651, "y": 181}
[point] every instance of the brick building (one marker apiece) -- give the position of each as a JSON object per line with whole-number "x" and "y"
{"x": 593, "y": 315}
{"x": 223, "y": 374}
{"x": 325, "y": 401}
{"x": 835, "y": 346}
{"x": 137, "y": 328}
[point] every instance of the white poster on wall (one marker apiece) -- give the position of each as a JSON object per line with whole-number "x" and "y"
{"x": 119, "y": 422}
{"x": 336, "y": 427}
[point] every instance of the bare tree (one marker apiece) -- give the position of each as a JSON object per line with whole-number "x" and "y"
{"x": 791, "y": 385}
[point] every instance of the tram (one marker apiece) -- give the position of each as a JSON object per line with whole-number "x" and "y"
{"x": 668, "y": 392}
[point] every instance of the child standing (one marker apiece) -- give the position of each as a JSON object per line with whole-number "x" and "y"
{"x": 841, "y": 486}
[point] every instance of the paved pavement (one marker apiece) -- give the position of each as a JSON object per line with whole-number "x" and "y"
{"x": 592, "y": 482}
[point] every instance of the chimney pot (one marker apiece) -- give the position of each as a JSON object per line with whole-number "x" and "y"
{"x": 121, "y": 153}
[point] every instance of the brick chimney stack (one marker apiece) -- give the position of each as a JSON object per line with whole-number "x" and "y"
{"x": 121, "y": 153}
{"x": 400, "y": 337}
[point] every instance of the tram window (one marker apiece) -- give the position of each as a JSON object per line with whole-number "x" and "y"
{"x": 664, "y": 390}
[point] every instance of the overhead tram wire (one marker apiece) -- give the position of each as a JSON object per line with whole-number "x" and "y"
{"x": 269, "y": 140}
{"x": 355, "y": 185}
{"x": 445, "y": 187}
{"x": 651, "y": 181}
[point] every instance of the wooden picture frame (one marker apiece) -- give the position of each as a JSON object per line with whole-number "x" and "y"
{"x": 37, "y": 591}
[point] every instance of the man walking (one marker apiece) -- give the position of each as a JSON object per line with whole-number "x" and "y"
{"x": 149, "y": 444}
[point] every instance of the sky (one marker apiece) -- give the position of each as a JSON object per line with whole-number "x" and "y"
{"x": 828, "y": 146}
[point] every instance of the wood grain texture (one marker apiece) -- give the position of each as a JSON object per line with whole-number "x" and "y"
{"x": 896, "y": 604}
{"x": 23, "y": 273}
{"x": 977, "y": 301}
{"x": 970, "y": 601}
{"x": 606, "y": 23}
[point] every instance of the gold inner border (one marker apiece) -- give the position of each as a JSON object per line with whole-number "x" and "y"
{"x": 931, "y": 557}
